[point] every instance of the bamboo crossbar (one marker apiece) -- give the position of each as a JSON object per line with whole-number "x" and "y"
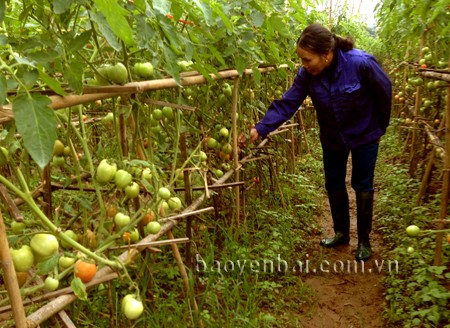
{"x": 59, "y": 102}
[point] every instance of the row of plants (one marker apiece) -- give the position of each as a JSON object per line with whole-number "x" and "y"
{"x": 417, "y": 294}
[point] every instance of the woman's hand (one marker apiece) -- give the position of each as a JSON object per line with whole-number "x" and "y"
{"x": 254, "y": 135}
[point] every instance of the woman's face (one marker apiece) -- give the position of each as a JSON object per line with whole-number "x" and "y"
{"x": 312, "y": 62}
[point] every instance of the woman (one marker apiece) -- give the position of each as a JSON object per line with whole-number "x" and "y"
{"x": 352, "y": 96}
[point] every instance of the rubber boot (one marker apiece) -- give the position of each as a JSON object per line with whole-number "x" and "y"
{"x": 341, "y": 219}
{"x": 364, "y": 209}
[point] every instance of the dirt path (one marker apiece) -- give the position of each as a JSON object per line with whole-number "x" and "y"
{"x": 345, "y": 294}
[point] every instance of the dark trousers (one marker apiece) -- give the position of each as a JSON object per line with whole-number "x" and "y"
{"x": 363, "y": 167}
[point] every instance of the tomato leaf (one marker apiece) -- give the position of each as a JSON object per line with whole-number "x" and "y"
{"x": 116, "y": 17}
{"x": 106, "y": 30}
{"x": 36, "y": 122}
{"x": 79, "y": 41}
{"x": 74, "y": 75}
{"x": 79, "y": 289}
{"x": 47, "y": 265}
{"x": 51, "y": 82}
{"x": 206, "y": 10}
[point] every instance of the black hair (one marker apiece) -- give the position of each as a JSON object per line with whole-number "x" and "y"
{"x": 318, "y": 39}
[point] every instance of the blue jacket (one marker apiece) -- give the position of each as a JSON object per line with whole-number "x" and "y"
{"x": 352, "y": 99}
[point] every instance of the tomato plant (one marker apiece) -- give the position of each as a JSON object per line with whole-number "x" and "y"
{"x": 85, "y": 270}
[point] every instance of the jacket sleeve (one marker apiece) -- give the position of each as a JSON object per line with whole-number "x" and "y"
{"x": 381, "y": 86}
{"x": 281, "y": 110}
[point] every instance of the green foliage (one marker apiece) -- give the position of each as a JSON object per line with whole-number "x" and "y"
{"x": 403, "y": 22}
{"x": 417, "y": 295}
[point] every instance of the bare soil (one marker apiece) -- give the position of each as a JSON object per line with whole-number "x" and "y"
{"x": 344, "y": 293}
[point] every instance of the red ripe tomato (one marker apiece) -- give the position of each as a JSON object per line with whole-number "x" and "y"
{"x": 85, "y": 270}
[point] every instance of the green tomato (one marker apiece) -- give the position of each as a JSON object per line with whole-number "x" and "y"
{"x": 105, "y": 171}
{"x": 18, "y": 227}
{"x": 66, "y": 261}
{"x": 202, "y": 156}
{"x": 102, "y": 75}
{"x": 144, "y": 70}
{"x": 184, "y": 65}
{"x": 135, "y": 236}
{"x": 51, "y": 284}
{"x": 44, "y": 245}
{"x": 158, "y": 114}
{"x": 122, "y": 179}
{"x": 413, "y": 230}
{"x": 168, "y": 113}
{"x": 226, "y": 89}
{"x": 132, "y": 190}
{"x": 72, "y": 235}
{"x": 58, "y": 148}
{"x": 174, "y": 203}
{"x": 164, "y": 193}
{"x": 146, "y": 174}
{"x": 131, "y": 307}
{"x": 224, "y": 132}
{"x": 410, "y": 249}
{"x": 23, "y": 258}
{"x": 218, "y": 173}
{"x": 125, "y": 301}
{"x": 118, "y": 73}
{"x": 153, "y": 227}
{"x": 121, "y": 220}
{"x": 58, "y": 161}
{"x": 212, "y": 143}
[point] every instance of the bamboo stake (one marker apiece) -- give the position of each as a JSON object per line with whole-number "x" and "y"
{"x": 417, "y": 104}
{"x": 59, "y": 102}
{"x": 187, "y": 199}
{"x": 435, "y": 141}
{"x": 235, "y": 99}
{"x": 10, "y": 278}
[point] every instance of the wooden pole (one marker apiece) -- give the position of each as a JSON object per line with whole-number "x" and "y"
{"x": 187, "y": 199}
{"x": 418, "y": 101}
{"x": 59, "y": 102}
{"x": 235, "y": 99}
{"x": 10, "y": 278}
